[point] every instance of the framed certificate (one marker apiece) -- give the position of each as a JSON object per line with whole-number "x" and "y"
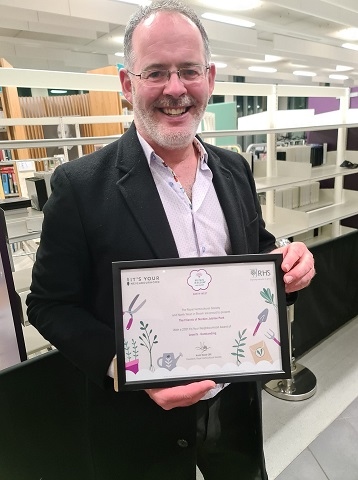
{"x": 183, "y": 320}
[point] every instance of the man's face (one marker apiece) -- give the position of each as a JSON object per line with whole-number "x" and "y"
{"x": 167, "y": 115}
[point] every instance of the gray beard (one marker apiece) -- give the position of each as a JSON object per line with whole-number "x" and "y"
{"x": 172, "y": 141}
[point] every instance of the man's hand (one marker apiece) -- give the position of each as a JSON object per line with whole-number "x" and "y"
{"x": 298, "y": 265}
{"x": 181, "y": 396}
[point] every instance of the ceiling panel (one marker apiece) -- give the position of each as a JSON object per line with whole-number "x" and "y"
{"x": 79, "y": 35}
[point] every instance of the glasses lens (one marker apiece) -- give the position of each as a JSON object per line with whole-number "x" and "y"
{"x": 155, "y": 76}
{"x": 186, "y": 75}
{"x": 191, "y": 74}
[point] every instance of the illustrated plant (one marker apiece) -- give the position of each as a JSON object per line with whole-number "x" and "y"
{"x": 134, "y": 349}
{"x": 268, "y": 297}
{"x": 147, "y": 342}
{"x": 239, "y": 353}
{"x": 128, "y": 352}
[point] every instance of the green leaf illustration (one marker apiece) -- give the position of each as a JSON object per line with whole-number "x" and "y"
{"x": 239, "y": 351}
{"x": 268, "y": 296}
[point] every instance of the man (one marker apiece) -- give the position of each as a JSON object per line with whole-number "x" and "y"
{"x": 158, "y": 192}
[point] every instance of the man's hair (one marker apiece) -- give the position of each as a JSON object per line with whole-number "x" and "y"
{"x": 161, "y": 5}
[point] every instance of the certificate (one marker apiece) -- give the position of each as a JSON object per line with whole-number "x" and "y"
{"x": 182, "y": 320}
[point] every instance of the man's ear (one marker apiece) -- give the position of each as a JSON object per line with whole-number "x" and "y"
{"x": 126, "y": 84}
{"x": 212, "y": 75}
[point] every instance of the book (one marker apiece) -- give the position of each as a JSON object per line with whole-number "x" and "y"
{"x": 9, "y": 183}
{"x": 5, "y": 183}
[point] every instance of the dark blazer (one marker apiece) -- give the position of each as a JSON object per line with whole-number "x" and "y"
{"x": 105, "y": 207}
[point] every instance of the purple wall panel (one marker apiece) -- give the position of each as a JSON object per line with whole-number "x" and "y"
{"x": 322, "y": 105}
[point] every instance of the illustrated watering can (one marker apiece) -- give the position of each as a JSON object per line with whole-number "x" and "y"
{"x": 168, "y": 361}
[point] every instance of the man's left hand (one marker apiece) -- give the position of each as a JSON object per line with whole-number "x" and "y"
{"x": 298, "y": 265}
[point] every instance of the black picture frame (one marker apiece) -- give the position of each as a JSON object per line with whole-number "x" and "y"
{"x": 13, "y": 350}
{"x": 125, "y": 272}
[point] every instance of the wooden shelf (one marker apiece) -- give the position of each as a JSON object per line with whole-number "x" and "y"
{"x": 105, "y": 103}
{"x": 11, "y": 108}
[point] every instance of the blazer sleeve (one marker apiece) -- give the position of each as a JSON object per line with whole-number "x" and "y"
{"x": 60, "y": 293}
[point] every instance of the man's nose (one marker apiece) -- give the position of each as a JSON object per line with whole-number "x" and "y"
{"x": 174, "y": 85}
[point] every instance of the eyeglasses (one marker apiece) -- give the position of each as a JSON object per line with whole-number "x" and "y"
{"x": 187, "y": 75}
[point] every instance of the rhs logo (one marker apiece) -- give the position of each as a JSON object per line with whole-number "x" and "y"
{"x": 260, "y": 273}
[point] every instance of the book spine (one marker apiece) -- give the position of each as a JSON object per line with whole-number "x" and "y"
{"x": 9, "y": 180}
{"x": 5, "y": 183}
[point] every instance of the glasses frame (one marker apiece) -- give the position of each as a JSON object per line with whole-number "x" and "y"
{"x": 169, "y": 74}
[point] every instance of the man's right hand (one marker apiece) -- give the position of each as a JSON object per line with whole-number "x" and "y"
{"x": 181, "y": 396}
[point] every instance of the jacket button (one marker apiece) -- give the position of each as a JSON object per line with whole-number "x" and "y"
{"x": 182, "y": 443}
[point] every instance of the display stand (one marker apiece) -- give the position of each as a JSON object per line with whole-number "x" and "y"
{"x": 302, "y": 384}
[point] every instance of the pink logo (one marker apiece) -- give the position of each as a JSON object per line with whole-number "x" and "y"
{"x": 199, "y": 279}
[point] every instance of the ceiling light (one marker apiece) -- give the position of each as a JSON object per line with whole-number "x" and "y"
{"x": 58, "y": 91}
{"x": 335, "y": 76}
{"x": 263, "y": 69}
{"x": 348, "y": 34}
{"x": 220, "y": 64}
{"x": 343, "y": 68}
{"x": 350, "y": 46}
{"x": 143, "y": 3}
{"x": 304, "y": 73}
{"x": 119, "y": 54}
{"x": 118, "y": 39}
{"x": 233, "y": 5}
{"x": 231, "y": 20}
{"x": 272, "y": 58}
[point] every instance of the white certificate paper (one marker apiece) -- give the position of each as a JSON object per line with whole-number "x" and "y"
{"x": 222, "y": 319}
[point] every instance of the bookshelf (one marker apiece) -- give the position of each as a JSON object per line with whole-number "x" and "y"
{"x": 105, "y": 103}
{"x": 335, "y": 204}
{"x": 10, "y": 107}
{"x": 9, "y": 185}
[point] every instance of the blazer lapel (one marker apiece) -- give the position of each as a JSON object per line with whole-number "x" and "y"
{"x": 140, "y": 193}
{"x": 227, "y": 194}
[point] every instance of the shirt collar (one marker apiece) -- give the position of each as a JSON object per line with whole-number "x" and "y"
{"x": 151, "y": 155}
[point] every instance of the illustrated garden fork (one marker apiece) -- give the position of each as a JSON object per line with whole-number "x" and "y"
{"x": 271, "y": 335}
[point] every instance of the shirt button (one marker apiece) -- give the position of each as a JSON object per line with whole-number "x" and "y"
{"x": 182, "y": 443}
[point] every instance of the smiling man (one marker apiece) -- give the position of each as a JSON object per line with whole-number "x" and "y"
{"x": 157, "y": 192}
{"x": 172, "y": 90}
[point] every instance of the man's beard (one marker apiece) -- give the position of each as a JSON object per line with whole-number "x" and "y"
{"x": 172, "y": 138}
